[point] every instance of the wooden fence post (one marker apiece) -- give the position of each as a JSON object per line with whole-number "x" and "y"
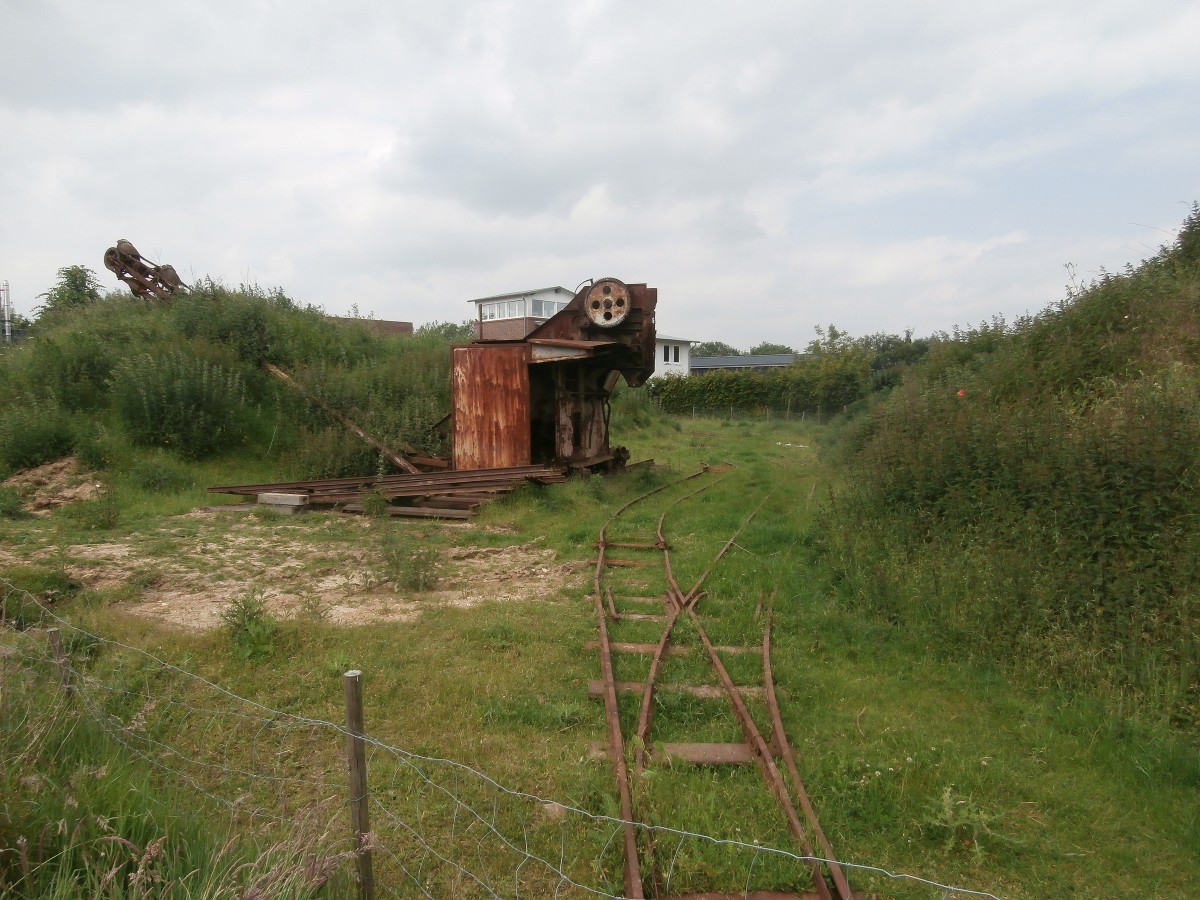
{"x": 60, "y": 658}
{"x": 356, "y": 758}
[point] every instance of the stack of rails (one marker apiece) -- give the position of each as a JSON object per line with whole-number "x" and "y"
{"x": 443, "y": 495}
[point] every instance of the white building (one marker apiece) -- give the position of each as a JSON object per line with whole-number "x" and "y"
{"x": 672, "y": 355}
{"x": 509, "y": 317}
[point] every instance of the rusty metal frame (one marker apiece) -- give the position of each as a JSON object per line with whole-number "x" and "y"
{"x": 761, "y": 751}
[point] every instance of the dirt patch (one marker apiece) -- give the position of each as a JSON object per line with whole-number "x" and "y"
{"x": 505, "y": 574}
{"x": 185, "y": 577}
{"x": 55, "y": 484}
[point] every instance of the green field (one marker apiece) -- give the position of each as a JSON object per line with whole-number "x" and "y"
{"x": 919, "y": 761}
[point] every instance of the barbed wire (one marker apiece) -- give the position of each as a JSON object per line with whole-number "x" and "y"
{"x": 441, "y": 827}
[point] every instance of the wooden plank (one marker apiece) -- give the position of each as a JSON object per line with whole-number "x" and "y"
{"x": 416, "y": 512}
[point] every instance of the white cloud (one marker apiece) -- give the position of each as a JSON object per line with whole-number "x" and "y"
{"x": 767, "y": 166}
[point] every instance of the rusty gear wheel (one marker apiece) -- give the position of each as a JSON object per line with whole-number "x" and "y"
{"x": 607, "y": 303}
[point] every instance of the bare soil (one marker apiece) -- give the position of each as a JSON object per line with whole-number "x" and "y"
{"x": 187, "y": 572}
{"x": 55, "y": 484}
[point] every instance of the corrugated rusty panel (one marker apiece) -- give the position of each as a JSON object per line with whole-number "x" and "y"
{"x": 490, "y": 389}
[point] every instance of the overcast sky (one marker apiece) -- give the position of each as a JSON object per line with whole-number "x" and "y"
{"x": 768, "y": 166}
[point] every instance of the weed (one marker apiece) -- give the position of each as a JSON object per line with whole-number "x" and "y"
{"x": 313, "y": 610}
{"x": 958, "y": 822}
{"x": 252, "y": 629}
{"x": 24, "y": 589}
{"x": 180, "y": 402}
{"x": 10, "y": 504}
{"x": 100, "y": 514}
{"x": 375, "y": 504}
{"x": 409, "y": 563}
{"x": 33, "y": 434}
{"x": 157, "y": 475}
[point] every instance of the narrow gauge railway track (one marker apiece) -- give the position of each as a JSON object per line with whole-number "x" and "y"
{"x": 640, "y": 870}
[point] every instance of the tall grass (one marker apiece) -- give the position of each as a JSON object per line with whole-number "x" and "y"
{"x": 81, "y": 818}
{"x": 1031, "y": 495}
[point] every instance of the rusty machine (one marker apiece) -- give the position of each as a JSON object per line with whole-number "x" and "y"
{"x": 544, "y": 399}
{"x": 144, "y": 278}
{"x": 525, "y": 409}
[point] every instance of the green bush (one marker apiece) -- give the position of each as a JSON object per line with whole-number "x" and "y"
{"x": 252, "y": 629}
{"x": 157, "y": 475}
{"x": 1031, "y": 493}
{"x": 188, "y": 405}
{"x": 32, "y": 434}
{"x": 10, "y": 504}
{"x": 408, "y": 562}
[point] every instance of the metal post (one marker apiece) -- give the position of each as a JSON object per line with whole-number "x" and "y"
{"x": 356, "y": 758}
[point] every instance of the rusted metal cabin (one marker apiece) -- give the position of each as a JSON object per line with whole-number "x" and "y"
{"x": 544, "y": 399}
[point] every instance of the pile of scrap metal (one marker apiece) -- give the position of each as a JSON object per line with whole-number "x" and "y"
{"x": 528, "y": 409}
{"x": 143, "y": 277}
{"x": 440, "y": 495}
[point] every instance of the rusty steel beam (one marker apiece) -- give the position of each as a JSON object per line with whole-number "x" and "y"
{"x": 396, "y": 458}
{"x": 612, "y": 712}
{"x": 840, "y": 884}
{"x": 431, "y": 479}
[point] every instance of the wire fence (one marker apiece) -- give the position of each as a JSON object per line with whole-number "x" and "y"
{"x": 438, "y": 828}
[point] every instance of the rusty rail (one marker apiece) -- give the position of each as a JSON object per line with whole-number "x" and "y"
{"x": 679, "y": 604}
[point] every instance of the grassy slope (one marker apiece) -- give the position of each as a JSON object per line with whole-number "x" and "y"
{"x": 978, "y": 783}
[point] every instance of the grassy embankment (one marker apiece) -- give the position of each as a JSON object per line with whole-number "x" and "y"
{"x": 980, "y": 782}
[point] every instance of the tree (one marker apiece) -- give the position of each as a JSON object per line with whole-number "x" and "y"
{"x": 766, "y": 348}
{"x": 715, "y": 348}
{"x": 453, "y": 332}
{"x": 76, "y": 287}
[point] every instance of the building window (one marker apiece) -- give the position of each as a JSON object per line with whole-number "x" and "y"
{"x": 676, "y": 353}
{"x": 666, "y": 353}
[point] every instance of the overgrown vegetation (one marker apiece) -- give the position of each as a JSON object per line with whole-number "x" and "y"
{"x": 112, "y": 376}
{"x": 82, "y": 818}
{"x": 836, "y": 370}
{"x": 1030, "y": 493}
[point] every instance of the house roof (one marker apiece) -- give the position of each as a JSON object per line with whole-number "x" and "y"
{"x": 557, "y": 289}
{"x": 763, "y": 360}
{"x": 667, "y": 337}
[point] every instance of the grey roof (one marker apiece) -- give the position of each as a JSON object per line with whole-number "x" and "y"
{"x": 515, "y": 294}
{"x": 667, "y": 337}
{"x": 765, "y": 360}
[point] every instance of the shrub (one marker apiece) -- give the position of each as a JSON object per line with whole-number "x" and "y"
{"x": 157, "y": 475}
{"x": 10, "y": 504}
{"x": 179, "y": 402}
{"x": 252, "y": 628}
{"x": 32, "y": 434}
{"x": 408, "y": 563}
